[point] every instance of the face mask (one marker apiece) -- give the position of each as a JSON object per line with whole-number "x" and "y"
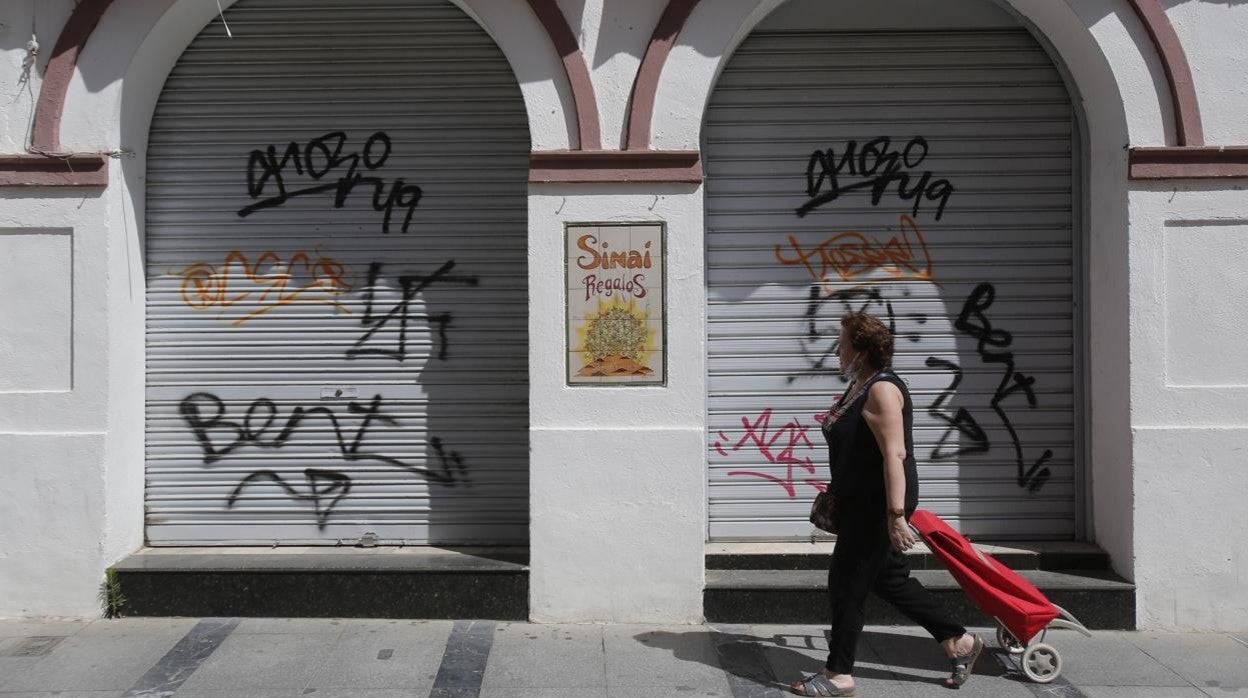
{"x": 852, "y": 369}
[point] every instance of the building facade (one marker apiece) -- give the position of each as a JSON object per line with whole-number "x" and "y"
{"x": 566, "y": 276}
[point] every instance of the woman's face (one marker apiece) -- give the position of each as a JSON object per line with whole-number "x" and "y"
{"x": 845, "y": 352}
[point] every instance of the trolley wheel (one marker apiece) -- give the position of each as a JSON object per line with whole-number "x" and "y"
{"x": 1042, "y": 663}
{"x": 1007, "y": 641}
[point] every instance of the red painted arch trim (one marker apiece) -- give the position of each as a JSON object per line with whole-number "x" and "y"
{"x": 1187, "y": 125}
{"x": 569, "y": 166}
{"x": 31, "y": 170}
{"x": 46, "y": 134}
{"x": 646, "y": 84}
{"x": 1192, "y": 162}
{"x": 586, "y": 104}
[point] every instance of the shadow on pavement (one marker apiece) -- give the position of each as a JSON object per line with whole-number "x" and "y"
{"x": 775, "y": 661}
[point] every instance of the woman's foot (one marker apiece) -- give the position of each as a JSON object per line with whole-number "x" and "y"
{"x": 825, "y": 683}
{"x": 962, "y": 652}
{"x": 958, "y": 646}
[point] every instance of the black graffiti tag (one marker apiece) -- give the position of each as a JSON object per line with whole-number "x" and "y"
{"x": 878, "y": 166}
{"x": 325, "y": 489}
{"x": 962, "y": 423}
{"x": 399, "y": 314}
{"x": 992, "y": 345}
{"x": 822, "y": 327}
{"x": 205, "y": 414}
{"x": 317, "y": 159}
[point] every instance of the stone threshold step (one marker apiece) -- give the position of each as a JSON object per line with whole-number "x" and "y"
{"x": 1092, "y": 580}
{"x": 326, "y": 583}
{"x": 1098, "y": 598}
{"x": 313, "y": 559}
{"x": 1030, "y": 555}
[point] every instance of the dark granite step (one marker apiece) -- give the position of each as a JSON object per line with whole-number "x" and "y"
{"x": 327, "y": 583}
{"x": 1099, "y": 599}
{"x": 1037, "y": 555}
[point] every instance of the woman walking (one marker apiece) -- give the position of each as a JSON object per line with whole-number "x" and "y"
{"x": 876, "y": 486}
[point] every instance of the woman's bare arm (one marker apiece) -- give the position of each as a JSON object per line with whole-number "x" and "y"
{"x": 883, "y": 412}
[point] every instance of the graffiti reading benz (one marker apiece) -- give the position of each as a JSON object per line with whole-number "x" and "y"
{"x": 878, "y": 166}
{"x": 973, "y": 322}
{"x": 319, "y": 158}
{"x": 301, "y": 279}
{"x": 206, "y": 415}
{"x": 852, "y": 255}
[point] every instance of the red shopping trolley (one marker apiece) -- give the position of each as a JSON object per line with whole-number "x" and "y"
{"x": 1023, "y": 614}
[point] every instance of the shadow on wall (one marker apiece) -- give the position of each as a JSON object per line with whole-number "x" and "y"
{"x": 386, "y": 390}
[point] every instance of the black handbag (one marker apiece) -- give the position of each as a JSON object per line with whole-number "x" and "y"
{"x": 823, "y": 512}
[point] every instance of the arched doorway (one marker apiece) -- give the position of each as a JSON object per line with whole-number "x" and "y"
{"x": 336, "y": 307}
{"x": 919, "y": 162}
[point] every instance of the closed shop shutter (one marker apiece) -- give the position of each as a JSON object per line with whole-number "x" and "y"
{"x": 336, "y": 305}
{"x": 956, "y": 229}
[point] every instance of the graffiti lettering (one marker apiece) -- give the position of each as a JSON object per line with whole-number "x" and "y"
{"x": 325, "y": 489}
{"x": 759, "y": 436}
{"x": 205, "y": 414}
{"x": 879, "y": 166}
{"x": 318, "y": 158}
{"x": 321, "y": 280}
{"x": 852, "y": 255}
{"x": 822, "y": 326}
{"x": 991, "y": 346}
{"x": 962, "y": 423}
{"x": 410, "y": 287}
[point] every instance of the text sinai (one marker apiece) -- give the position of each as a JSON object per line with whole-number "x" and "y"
{"x": 604, "y": 259}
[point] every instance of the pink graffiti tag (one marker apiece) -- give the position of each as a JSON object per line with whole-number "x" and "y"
{"x": 760, "y": 437}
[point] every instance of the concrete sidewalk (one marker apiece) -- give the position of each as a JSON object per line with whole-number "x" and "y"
{"x": 299, "y": 657}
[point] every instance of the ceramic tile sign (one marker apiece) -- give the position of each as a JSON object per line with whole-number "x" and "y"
{"x": 615, "y": 304}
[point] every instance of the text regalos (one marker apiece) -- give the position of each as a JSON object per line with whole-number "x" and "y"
{"x": 597, "y": 256}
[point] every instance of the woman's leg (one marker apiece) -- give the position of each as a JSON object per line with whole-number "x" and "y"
{"x": 855, "y": 566}
{"x": 895, "y": 585}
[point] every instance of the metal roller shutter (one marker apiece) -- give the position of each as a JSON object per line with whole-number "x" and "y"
{"x": 975, "y": 265}
{"x": 337, "y": 329}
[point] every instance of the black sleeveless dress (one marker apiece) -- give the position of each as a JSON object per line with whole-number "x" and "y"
{"x": 857, "y": 465}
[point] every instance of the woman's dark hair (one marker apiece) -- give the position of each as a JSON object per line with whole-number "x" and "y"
{"x": 870, "y": 336}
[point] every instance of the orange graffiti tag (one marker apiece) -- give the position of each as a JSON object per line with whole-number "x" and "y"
{"x": 237, "y": 280}
{"x": 851, "y": 255}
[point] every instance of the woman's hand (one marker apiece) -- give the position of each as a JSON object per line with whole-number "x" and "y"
{"x": 899, "y": 533}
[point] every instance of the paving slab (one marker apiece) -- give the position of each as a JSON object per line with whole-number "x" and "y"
{"x": 795, "y": 651}
{"x": 584, "y": 692}
{"x": 1109, "y": 659}
{"x": 104, "y": 656}
{"x": 680, "y": 691}
{"x": 65, "y": 694}
{"x": 235, "y": 693}
{"x": 546, "y": 656}
{"x": 362, "y": 692}
{"x": 1209, "y": 661}
{"x": 1141, "y": 692}
{"x": 383, "y": 654}
{"x": 682, "y": 658}
{"x": 921, "y": 667}
{"x": 289, "y": 626}
{"x": 25, "y": 627}
{"x": 263, "y": 662}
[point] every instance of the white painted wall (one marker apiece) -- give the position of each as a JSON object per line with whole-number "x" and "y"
{"x": 1190, "y": 405}
{"x": 618, "y": 518}
{"x": 1212, "y": 34}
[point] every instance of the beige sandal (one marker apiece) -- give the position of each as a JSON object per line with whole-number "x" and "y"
{"x": 964, "y": 663}
{"x": 820, "y": 685}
